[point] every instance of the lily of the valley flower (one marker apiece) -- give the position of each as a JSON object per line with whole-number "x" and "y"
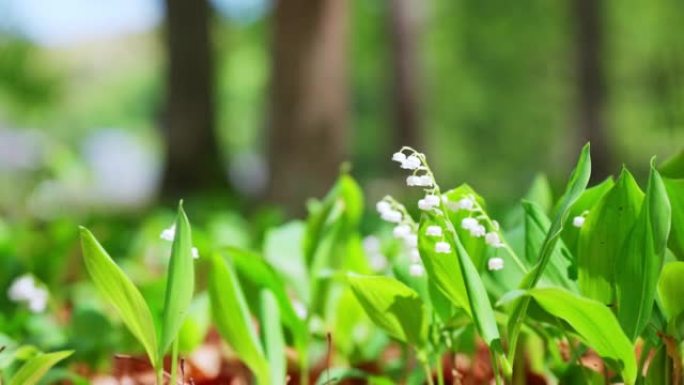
{"x": 433, "y": 231}
{"x": 442, "y": 247}
{"x": 492, "y": 238}
{"x": 578, "y": 221}
{"x": 25, "y": 290}
{"x": 416, "y": 270}
{"x": 495, "y": 264}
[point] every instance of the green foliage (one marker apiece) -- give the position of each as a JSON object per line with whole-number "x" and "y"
{"x": 643, "y": 257}
{"x": 603, "y": 235}
{"x": 233, "y": 320}
{"x": 121, "y": 293}
{"x": 35, "y": 368}
{"x": 274, "y": 340}
{"x": 180, "y": 285}
{"x": 594, "y": 323}
{"x": 393, "y": 306}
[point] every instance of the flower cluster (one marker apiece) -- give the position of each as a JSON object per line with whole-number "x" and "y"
{"x": 405, "y": 229}
{"x": 170, "y": 233}
{"x": 25, "y": 290}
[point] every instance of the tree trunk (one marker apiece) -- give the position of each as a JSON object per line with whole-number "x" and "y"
{"x": 591, "y": 85}
{"x": 404, "y": 28}
{"x": 193, "y": 161}
{"x": 308, "y": 128}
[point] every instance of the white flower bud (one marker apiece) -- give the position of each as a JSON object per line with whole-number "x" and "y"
{"x": 469, "y": 223}
{"x": 392, "y": 216}
{"x": 425, "y": 181}
{"x": 466, "y": 204}
{"x": 494, "y": 264}
{"x": 433, "y": 231}
{"x": 399, "y": 157}
{"x": 25, "y": 290}
{"x": 416, "y": 270}
{"x": 401, "y": 231}
{"x": 383, "y": 206}
{"x": 411, "y": 241}
{"x": 493, "y": 239}
{"x": 411, "y": 163}
{"x": 442, "y": 247}
{"x": 371, "y": 244}
{"x": 378, "y": 262}
{"x": 413, "y": 180}
{"x": 300, "y": 309}
{"x": 414, "y": 256}
{"x": 424, "y": 205}
{"x": 168, "y": 234}
{"x": 432, "y": 199}
{"x": 478, "y": 231}
{"x": 578, "y": 221}
{"x": 195, "y": 253}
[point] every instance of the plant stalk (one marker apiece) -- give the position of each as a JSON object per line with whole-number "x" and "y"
{"x": 174, "y": 362}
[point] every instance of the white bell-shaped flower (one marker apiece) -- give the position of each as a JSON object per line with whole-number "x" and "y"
{"x": 383, "y": 206}
{"x": 401, "y": 231}
{"x": 442, "y": 247}
{"x": 416, "y": 270}
{"x": 411, "y": 241}
{"x": 433, "y": 231}
{"x": 413, "y": 180}
{"x": 466, "y": 203}
{"x": 492, "y": 238}
{"x": 478, "y": 231}
{"x": 494, "y": 264}
{"x": 168, "y": 234}
{"x": 411, "y": 163}
{"x": 392, "y": 216}
{"x": 578, "y": 221}
{"x": 399, "y": 157}
{"x": 469, "y": 223}
{"x": 414, "y": 255}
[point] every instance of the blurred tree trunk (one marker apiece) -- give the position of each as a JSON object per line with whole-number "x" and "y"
{"x": 193, "y": 160}
{"x": 309, "y": 117}
{"x": 404, "y": 29}
{"x": 591, "y": 86}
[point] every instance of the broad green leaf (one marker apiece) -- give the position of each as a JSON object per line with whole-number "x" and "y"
{"x": 35, "y": 368}
{"x": 180, "y": 284}
{"x": 274, "y": 340}
{"x": 393, "y": 306}
{"x": 594, "y": 323}
{"x": 675, "y": 192}
{"x": 603, "y": 235}
{"x": 536, "y": 226}
{"x": 638, "y": 270}
{"x": 120, "y": 292}
{"x": 443, "y": 271}
{"x": 586, "y": 202}
{"x": 233, "y": 320}
{"x": 574, "y": 189}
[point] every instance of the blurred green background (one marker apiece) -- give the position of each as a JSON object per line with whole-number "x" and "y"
{"x": 119, "y": 105}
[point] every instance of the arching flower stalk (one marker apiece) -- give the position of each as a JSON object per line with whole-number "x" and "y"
{"x": 478, "y": 223}
{"x": 406, "y": 229}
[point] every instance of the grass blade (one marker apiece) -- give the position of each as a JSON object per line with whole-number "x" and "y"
{"x": 35, "y": 368}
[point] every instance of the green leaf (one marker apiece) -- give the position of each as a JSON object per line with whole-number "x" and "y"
{"x": 642, "y": 259}
{"x": 443, "y": 271}
{"x": 252, "y": 267}
{"x": 35, "y": 368}
{"x": 393, "y": 306}
{"x": 675, "y": 192}
{"x": 602, "y": 237}
{"x": 585, "y": 202}
{"x": 283, "y": 250}
{"x": 233, "y": 320}
{"x": 540, "y": 193}
{"x": 477, "y": 302}
{"x": 120, "y": 292}
{"x": 576, "y": 185}
{"x": 273, "y": 338}
{"x": 536, "y": 226}
{"x": 671, "y": 290}
{"x": 594, "y": 323}
{"x": 180, "y": 284}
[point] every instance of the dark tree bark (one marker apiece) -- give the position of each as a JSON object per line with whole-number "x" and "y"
{"x": 193, "y": 160}
{"x": 309, "y": 117}
{"x": 404, "y": 29}
{"x": 591, "y": 85}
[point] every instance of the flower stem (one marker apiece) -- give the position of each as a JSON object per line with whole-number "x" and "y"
{"x": 174, "y": 362}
